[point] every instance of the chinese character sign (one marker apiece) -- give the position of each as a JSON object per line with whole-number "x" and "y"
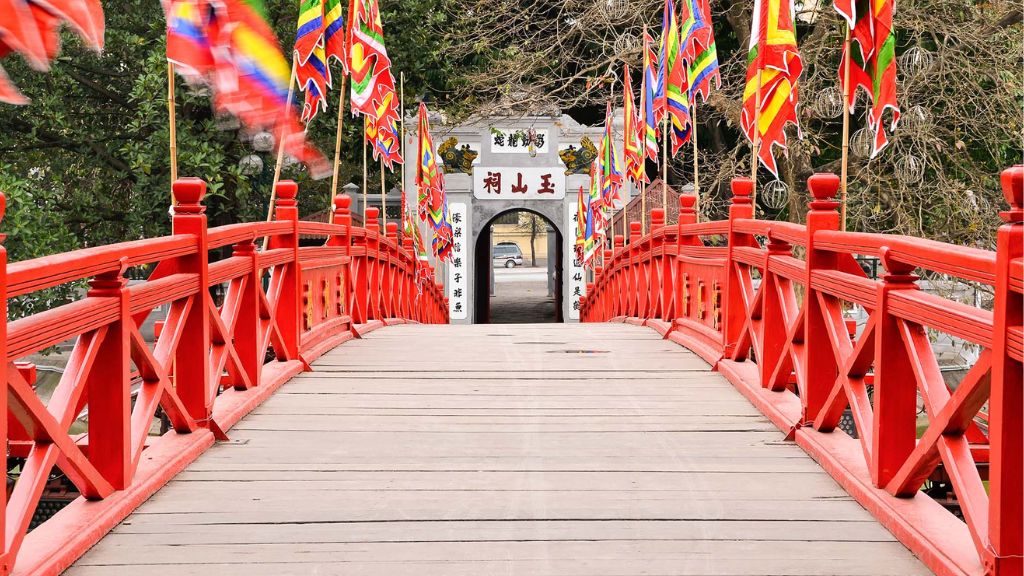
{"x": 518, "y": 183}
{"x": 519, "y": 140}
{"x": 458, "y": 283}
{"x": 576, "y": 282}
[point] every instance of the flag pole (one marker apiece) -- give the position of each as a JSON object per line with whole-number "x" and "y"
{"x": 337, "y": 144}
{"x": 696, "y": 169}
{"x": 846, "y": 130}
{"x": 280, "y": 149}
{"x": 364, "y": 168}
{"x": 173, "y": 126}
{"x": 756, "y": 143}
{"x": 643, "y": 208}
{"x": 664, "y": 156}
{"x": 401, "y": 107}
{"x": 383, "y": 197}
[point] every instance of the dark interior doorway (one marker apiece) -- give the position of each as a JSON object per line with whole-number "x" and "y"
{"x": 516, "y": 283}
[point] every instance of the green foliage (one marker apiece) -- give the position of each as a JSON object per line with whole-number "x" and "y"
{"x": 87, "y": 161}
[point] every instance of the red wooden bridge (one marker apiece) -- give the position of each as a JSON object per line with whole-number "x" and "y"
{"x": 300, "y": 439}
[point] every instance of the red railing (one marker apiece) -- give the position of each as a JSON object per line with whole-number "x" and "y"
{"x": 210, "y": 364}
{"x": 767, "y": 306}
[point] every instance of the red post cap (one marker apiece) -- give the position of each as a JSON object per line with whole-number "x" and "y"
{"x": 823, "y": 186}
{"x": 342, "y": 202}
{"x": 392, "y": 228}
{"x": 372, "y": 213}
{"x": 657, "y": 217}
{"x": 634, "y": 228}
{"x": 287, "y": 190}
{"x": 687, "y": 202}
{"x": 1013, "y": 190}
{"x": 741, "y": 190}
{"x": 189, "y": 190}
{"x": 619, "y": 241}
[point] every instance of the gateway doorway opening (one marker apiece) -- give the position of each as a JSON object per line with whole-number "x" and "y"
{"x": 518, "y": 270}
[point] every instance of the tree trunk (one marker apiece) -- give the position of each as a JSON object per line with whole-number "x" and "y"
{"x": 533, "y": 241}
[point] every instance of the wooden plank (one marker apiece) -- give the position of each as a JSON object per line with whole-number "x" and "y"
{"x": 467, "y": 450}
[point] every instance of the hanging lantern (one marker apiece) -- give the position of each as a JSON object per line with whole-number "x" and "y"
{"x": 829, "y": 103}
{"x": 250, "y": 165}
{"x": 614, "y": 10}
{"x": 909, "y": 169}
{"x": 862, "y": 142}
{"x": 916, "y": 117}
{"x": 916, "y": 61}
{"x": 627, "y": 45}
{"x": 263, "y": 141}
{"x": 774, "y": 195}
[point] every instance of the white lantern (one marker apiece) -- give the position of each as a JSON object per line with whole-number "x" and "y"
{"x": 774, "y": 195}
{"x": 250, "y": 165}
{"x": 263, "y": 141}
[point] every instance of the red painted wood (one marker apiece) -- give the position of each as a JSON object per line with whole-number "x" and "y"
{"x": 784, "y": 340}
{"x": 207, "y": 368}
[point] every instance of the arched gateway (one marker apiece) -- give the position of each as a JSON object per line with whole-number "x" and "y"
{"x": 494, "y": 166}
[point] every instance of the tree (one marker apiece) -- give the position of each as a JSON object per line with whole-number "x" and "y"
{"x": 86, "y": 162}
{"x": 961, "y": 97}
{"x": 533, "y": 224}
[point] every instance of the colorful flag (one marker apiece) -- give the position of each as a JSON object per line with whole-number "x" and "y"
{"x": 633, "y": 133}
{"x": 188, "y": 41}
{"x": 251, "y": 77}
{"x": 611, "y": 168}
{"x": 334, "y": 33}
{"x": 382, "y": 128}
{"x": 311, "y": 71}
{"x": 676, "y": 85}
{"x": 310, "y": 30}
{"x": 873, "y": 62}
{"x": 699, "y": 49}
{"x": 773, "y": 59}
{"x": 367, "y": 56}
{"x": 429, "y": 178}
{"x": 32, "y": 29}
{"x": 595, "y": 214}
{"x": 648, "y": 97}
{"x": 582, "y": 203}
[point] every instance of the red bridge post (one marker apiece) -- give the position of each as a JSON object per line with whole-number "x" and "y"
{"x": 6, "y": 561}
{"x": 191, "y": 377}
{"x": 1006, "y": 403}
{"x": 341, "y": 216}
{"x": 735, "y": 305}
{"x": 289, "y": 306}
{"x": 633, "y": 280}
{"x": 820, "y": 365}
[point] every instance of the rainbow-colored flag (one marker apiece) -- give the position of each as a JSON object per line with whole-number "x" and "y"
{"x": 675, "y": 81}
{"x": 872, "y": 61}
{"x": 433, "y": 202}
{"x": 611, "y": 168}
{"x": 367, "y": 56}
{"x": 773, "y": 53}
{"x": 595, "y": 214}
{"x": 699, "y": 49}
{"x": 582, "y": 205}
{"x": 334, "y": 33}
{"x": 648, "y": 97}
{"x": 632, "y": 133}
{"x": 311, "y": 70}
{"x": 252, "y": 78}
{"x": 188, "y": 41}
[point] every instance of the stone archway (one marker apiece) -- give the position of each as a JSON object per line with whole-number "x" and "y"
{"x": 484, "y": 273}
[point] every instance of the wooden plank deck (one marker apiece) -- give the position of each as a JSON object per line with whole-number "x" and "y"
{"x": 596, "y": 449}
